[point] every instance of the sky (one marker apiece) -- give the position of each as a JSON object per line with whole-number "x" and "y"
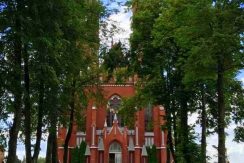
{"x": 235, "y": 150}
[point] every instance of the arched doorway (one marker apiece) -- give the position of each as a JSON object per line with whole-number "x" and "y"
{"x": 115, "y": 153}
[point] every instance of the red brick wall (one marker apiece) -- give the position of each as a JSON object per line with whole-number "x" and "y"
{"x": 97, "y": 117}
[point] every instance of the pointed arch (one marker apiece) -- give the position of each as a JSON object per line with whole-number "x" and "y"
{"x": 113, "y": 105}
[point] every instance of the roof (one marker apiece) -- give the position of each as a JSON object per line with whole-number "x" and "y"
{"x": 144, "y": 151}
{"x": 100, "y": 144}
{"x": 87, "y": 152}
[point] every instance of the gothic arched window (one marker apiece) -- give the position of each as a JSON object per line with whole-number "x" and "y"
{"x": 112, "y": 108}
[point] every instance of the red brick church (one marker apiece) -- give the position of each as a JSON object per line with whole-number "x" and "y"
{"x": 108, "y": 140}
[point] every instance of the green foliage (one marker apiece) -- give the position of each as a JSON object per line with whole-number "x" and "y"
{"x": 143, "y": 55}
{"x": 41, "y": 160}
{"x": 78, "y": 154}
{"x": 191, "y": 150}
{"x": 3, "y": 141}
{"x": 116, "y": 57}
{"x": 235, "y": 101}
{"x": 115, "y": 62}
{"x": 239, "y": 134}
{"x": 177, "y": 49}
{"x": 60, "y": 40}
{"x": 152, "y": 154}
{"x": 127, "y": 111}
{"x": 18, "y": 160}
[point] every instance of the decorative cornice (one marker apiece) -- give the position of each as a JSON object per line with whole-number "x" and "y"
{"x": 117, "y": 85}
{"x": 161, "y": 147}
{"x": 93, "y": 147}
{"x": 80, "y": 134}
{"x": 138, "y": 147}
{"x": 149, "y": 134}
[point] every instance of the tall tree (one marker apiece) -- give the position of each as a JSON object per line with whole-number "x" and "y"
{"x": 212, "y": 42}
{"x": 83, "y": 43}
{"x": 162, "y": 66}
{"x": 116, "y": 57}
{"x": 11, "y": 46}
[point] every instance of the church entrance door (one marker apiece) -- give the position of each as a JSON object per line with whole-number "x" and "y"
{"x": 115, "y": 151}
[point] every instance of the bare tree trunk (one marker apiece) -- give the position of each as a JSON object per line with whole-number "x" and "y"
{"x": 51, "y": 155}
{"x": 221, "y": 113}
{"x": 169, "y": 109}
{"x": 71, "y": 120}
{"x": 55, "y": 147}
{"x": 174, "y": 121}
{"x": 53, "y": 134}
{"x": 203, "y": 124}
{"x": 68, "y": 136}
{"x": 27, "y": 108}
{"x": 39, "y": 122}
{"x": 184, "y": 130}
{"x": 171, "y": 147}
{"x": 49, "y": 149}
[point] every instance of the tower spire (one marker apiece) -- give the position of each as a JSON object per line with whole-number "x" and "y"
{"x": 105, "y": 123}
{"x": 115, "y": 118}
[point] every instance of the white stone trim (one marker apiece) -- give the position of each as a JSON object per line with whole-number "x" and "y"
{"x": 149, "y": 133}
{"x": 137, "y": 136}
{"x": 80, "y": 133}
{"x": 68, "y": 147}
{"x": 163, "y": 143}
{"x": 137, "y": 147}
{"x": 115, "y": 85}
{"x": 93, "y": 135}
{"x": 161, "y": 147}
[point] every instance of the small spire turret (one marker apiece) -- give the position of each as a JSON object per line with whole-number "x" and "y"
{"x": 115, "y": 118}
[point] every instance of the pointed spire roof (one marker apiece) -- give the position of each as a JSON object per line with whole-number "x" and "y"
{"x": 87, "y": 152}
{"x": 94, "y": 107}
{"x": 100, "y": 144}
{"x": 115, "y": 118}
{"x": 105, "y": 123}
{"x": 131, "y": 145}
{"x": 144, "y": 151}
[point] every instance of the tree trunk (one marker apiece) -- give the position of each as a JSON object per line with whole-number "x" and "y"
{"x": 221, "y": 113}
{"x": 71, "y": 119}
{"x": 170, "y": 144}
{"x": 17, "y": 91}
{"x": 203, "y": 124}
{"x": 51, "y": 155}
{"x": 49, "y": 148}
{"x": 39, "y": 123}
{"x": 55, "y": 147}
{"x": 27, "y": 108}
{"x": 174, "y": 121}
{"x": 184, "y": 131}
{"x": 170, "y": 147}
{"x": 53, "y": 133}
{"x": 68, "y": 136}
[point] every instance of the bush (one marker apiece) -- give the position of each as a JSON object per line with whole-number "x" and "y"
{"x": 152, "y": 154}
{"x": 78, "y": 154}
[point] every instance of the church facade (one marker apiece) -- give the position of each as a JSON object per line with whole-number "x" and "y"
{"x": 108, "y": 139}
